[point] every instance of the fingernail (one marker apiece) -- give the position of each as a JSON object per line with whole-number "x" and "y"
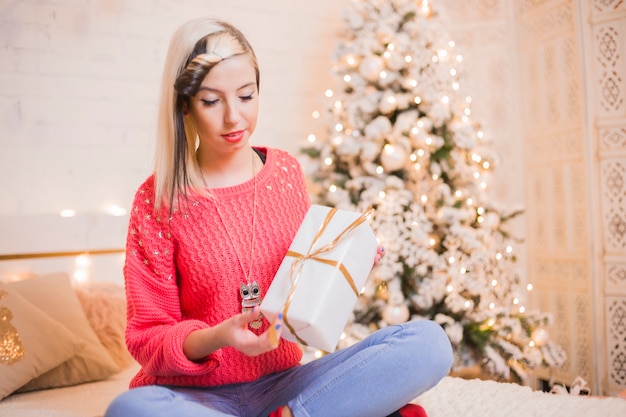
{"x": 277, "y": 326}
{"x": 280, "y": 316}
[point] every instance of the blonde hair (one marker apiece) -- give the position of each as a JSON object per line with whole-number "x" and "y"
{"x": 195, "y": 48}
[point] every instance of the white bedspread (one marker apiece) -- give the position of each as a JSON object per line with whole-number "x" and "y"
{"x": 86, "y": 400}
{"x": 452, "y": 397}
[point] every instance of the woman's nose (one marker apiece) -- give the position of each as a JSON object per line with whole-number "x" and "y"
{"x": 231, "y": 113}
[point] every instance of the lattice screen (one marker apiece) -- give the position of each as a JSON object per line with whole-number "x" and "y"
{"x": 549, "y": 83}
{"x": 608, "y": 83}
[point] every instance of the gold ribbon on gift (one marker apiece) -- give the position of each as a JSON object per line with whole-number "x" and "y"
{"x": 316, "y": 255}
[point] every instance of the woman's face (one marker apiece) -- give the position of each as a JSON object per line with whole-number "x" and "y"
{"x": 225, "y": 109}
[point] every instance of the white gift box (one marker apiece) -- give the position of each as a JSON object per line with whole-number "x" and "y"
{"x": 318, "y": 282}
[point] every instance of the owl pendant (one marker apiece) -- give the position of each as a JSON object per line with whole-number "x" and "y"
{"x": 250, "y": 298}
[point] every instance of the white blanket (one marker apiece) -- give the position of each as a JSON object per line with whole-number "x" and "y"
{"x": 475, "y": 398}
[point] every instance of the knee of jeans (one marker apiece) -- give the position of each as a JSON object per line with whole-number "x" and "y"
{"x": 439, "y": 348}
{"x": 137, "y": 401}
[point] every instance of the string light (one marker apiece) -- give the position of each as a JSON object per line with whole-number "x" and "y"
{"x": 68, "y": 213}
{"x": 116, "y": 210}
{"x": 311, "y": 138}
{"x": 82, "y": 265}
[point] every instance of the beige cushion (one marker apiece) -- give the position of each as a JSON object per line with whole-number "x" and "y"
{"x": 104, "y": 305}
{"x": 31, "y": 343}
{"x": 55, "y": 295}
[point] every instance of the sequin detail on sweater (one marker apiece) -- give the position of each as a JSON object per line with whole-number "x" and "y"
{"x": 182, "y": 274}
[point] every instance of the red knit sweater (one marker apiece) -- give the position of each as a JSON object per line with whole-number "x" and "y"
{"x": 184, "y": 275}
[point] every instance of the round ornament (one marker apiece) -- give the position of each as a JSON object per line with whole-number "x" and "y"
{"x": 540, "y": 337}
{"x": 396, "y": 314}
{"x": 393, "y": 157}
{"x": 371, "y": 67}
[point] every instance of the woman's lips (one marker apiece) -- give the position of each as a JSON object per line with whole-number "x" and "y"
{"x": 234, "y": 136}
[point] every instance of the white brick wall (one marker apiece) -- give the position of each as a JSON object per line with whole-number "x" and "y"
{"x": 79, "y": 81}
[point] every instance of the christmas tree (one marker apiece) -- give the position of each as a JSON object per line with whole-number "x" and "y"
{"x": 396, "y": 134}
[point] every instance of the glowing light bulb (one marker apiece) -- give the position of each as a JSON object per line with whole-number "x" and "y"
{"x": 116, "y": 210}
{"x": 68, "y": 213}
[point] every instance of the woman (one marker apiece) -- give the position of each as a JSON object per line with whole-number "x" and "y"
{"x": 206, "y": 235}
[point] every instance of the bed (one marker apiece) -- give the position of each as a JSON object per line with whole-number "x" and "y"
{"x": 68, "y": 328}
{"x": 102, "y": 306}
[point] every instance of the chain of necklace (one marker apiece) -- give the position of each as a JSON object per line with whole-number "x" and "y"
{"x": 250, "y": 291}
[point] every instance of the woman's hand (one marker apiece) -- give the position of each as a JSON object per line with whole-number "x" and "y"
{"x": 380, "y": 252}
{"x": 240, "y": 336}
{"x": 233, "y": 332}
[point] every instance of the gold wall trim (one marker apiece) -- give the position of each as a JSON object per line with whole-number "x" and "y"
{"x": 35, "y": 255}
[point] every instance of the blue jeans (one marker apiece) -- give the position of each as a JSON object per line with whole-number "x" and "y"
{"x": 374, "y": 377}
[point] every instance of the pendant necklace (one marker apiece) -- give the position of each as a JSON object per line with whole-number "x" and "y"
{"x": 249, "y": 291}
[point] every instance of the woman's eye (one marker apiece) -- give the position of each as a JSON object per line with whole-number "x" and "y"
{"x": 209, "y": 102}
{"x": 248, "y": 97}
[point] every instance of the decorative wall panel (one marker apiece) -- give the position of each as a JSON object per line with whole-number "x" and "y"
{"x": 606, "y": 35}
{"x": 549, "y": 83}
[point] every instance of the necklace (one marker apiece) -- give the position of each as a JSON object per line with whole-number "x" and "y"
{"x": 249, "y": 291}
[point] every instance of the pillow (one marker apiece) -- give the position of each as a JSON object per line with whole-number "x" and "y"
{"x": 55, "y": 295}
{"x": 31, "y": 343}
{"x": 104, "y": 305}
